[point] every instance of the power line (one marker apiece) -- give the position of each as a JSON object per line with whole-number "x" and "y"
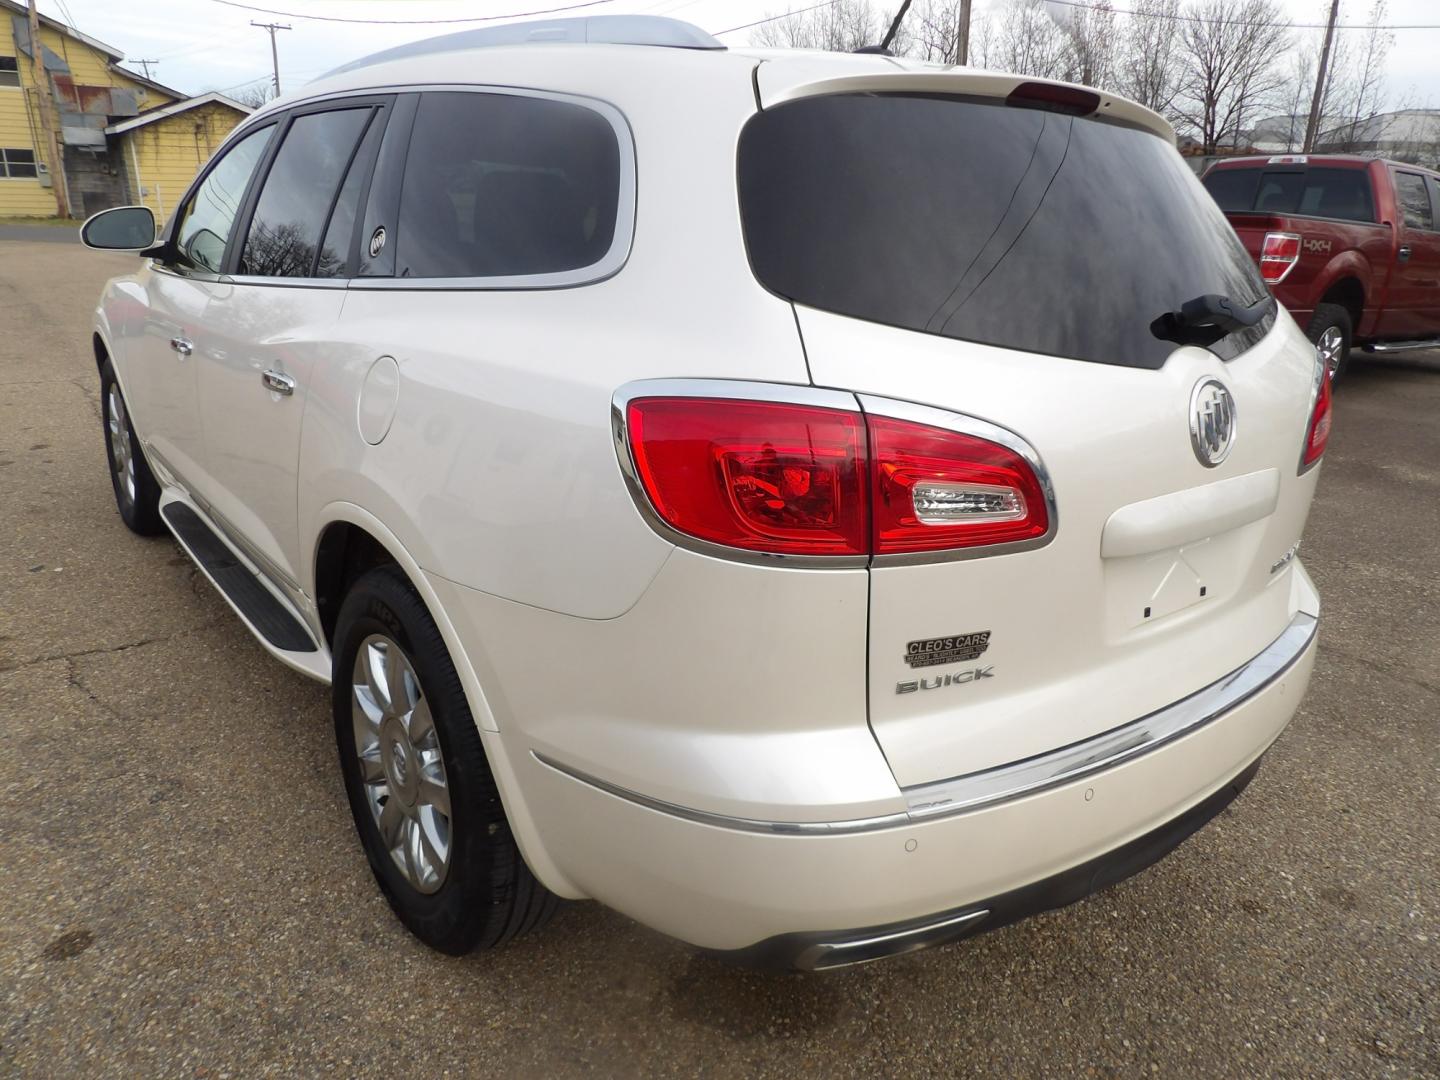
{"x": 1232, "y": 22}
{"x": 415, "y": 22}
{"x": 775, "y": 18}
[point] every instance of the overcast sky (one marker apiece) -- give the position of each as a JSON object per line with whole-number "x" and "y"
{"x": 207, "y": 45}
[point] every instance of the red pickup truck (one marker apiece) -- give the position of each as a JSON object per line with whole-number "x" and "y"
{"x": 1350, "y": 245}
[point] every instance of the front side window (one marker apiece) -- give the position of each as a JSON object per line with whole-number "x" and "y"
{"x": 206, "y": 220}
{"x": 17, "y": 163}
{"x": 1414, "y": 200}
{"x": 294, "y": 204}
{"x": 500, "y": 185}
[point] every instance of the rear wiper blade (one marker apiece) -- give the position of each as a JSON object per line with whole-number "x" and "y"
{"x": 1206, "y": 319}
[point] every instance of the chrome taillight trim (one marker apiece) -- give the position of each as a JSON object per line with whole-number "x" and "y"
{"x": 825, "y": 398}
{"x": 964, "y": 794}
{"x": 1317, "y": 383}
{"x": 964, "y": 424}
{"x": 1260, "y": 259}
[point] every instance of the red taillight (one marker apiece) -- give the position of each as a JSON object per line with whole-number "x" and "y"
{"x": 758, "y": 475}
{"x": 1278, "y": 255}
{"x": 1317, "y": 432}
{"x": 936, "y": 489}
{"x": 805, "y": 480}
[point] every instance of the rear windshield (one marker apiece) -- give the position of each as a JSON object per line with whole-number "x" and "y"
{"x": 1013, "y": 227}
{"x": 1304, "y": 192}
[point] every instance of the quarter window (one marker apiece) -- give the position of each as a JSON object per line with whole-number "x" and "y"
{"x": 9, "y": 71}
{"x": 1414, "y": 200}
{"x": 500, "y": 185}
{"x": 17, "y": 163}
{"x": 209, "y": 216}
{"x": 289, "y": 219}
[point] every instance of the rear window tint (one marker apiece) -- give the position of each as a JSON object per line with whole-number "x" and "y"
{"x": 500, "y": 185}
{"x": 1316, "y": 191}
{"x": 1013, "y": 227}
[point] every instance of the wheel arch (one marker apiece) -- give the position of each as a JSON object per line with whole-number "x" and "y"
{"x": 347, "y": 528}
{"x": 1348, "y": 292}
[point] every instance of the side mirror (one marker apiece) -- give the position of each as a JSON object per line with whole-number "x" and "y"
{"x": 124, "y": 228}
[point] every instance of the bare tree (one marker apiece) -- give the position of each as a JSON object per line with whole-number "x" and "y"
{"x": 1149, "y": 67}
{"x": 1020, "y": 36}
{"x": 253, "y": 94}
{"x": 1229, "y": 51}
{"x": 840, "y": 27}
{"x": 1357, "y": 88}
{"x": 934, "y": 31}
{"x": 1091, "y": 33}
{"x": 1295, "y": 99}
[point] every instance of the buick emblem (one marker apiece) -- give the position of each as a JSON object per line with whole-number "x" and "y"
{"x": 1212, "y": 422}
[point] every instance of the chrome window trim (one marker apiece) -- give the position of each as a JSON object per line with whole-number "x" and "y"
{"x": 964, "y": 424}
{"x": 722, "y": 389}
{"x": 621, "y": 242}
{"x": 958, "y": 795}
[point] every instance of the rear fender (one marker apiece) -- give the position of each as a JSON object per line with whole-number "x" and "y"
{"x": 1351, "y": 265}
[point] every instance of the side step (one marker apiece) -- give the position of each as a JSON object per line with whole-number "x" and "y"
{"x": 280, "y": 629}
{"x": 1400, "y": 346}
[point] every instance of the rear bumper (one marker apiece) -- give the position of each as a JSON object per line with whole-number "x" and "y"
{"x": 772, "y": 892}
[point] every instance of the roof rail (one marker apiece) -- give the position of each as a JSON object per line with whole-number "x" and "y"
{"x": 590, "y": 30}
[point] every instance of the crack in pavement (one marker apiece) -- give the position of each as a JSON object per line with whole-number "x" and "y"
{"x": 79, "y": 653}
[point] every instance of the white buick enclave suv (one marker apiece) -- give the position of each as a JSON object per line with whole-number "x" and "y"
{"x": 818, "y": 505}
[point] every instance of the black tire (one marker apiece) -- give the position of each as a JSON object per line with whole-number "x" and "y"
{"x": 487, "y": 894}
{"x": 137, "y": 493}
{"x": 1331, "y": 319}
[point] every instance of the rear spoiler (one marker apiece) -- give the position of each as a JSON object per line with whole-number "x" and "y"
{"x": 789, "y": 80}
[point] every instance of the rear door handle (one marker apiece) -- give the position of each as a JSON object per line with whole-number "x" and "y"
{"x": 279, "y": 382}
{"x": 180, "y": 345}
{"x": 1404, "y": 253}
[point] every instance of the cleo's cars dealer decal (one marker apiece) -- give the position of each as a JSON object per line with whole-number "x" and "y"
{"x": 946, "y": 650}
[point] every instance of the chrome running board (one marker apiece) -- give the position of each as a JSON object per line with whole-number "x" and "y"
{"x": 1400, "y": 346}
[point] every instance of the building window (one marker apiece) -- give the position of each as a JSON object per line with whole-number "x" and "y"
{"x": 9, "y": 71}
{"x": 16, "y": 163}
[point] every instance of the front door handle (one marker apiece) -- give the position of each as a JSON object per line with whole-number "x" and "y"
{"x": 1404, "y": 253}
{"x": 279, "y": 382}
{"x": 180, "y": 345}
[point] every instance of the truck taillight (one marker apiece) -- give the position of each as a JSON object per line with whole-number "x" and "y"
{"x": 1317, "y": 431}
{"x": 1278, "y": 255}
{"x": 790, "y": 479}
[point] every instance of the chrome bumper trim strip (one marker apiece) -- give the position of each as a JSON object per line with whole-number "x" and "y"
{"x": 974, "y": 791}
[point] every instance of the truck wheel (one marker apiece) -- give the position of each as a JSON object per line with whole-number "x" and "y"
{"x": 1332, "y": 333}
{"x": 421, "y": 792}
{"x": 137, "y": 493}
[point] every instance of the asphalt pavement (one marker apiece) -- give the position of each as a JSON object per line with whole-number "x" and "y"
{"x": 181, "y": 892}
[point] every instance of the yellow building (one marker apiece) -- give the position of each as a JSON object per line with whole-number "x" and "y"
{"x": 126, "y": 139}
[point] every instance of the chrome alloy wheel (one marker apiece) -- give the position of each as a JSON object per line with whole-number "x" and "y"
{"x": 122, "y": 454}
{"x": 401, "y": 766}
{"x": 1331, "y": 348}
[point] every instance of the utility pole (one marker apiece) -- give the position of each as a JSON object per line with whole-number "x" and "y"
{"x": 1312, "y": 127}
{"x": 146, "y": 65}
{"x": 55, "y": 147}
{"x": 274, "y": 56}
{"x": 962, "y": 35}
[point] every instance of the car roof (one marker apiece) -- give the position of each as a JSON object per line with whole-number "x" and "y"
{"x": 615, "y": 57}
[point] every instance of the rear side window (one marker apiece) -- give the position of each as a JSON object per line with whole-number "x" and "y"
{"x": 1317, "y": 191}
{"x": 1414, "y": 200}
{"x": 500, "y": 185}
{"x": 1012, "y": 227}
{"x": 295, "y": 203}
{"x": 208, "y": 217}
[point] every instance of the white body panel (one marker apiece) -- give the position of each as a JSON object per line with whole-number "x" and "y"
{"x": 483, "y": 461}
